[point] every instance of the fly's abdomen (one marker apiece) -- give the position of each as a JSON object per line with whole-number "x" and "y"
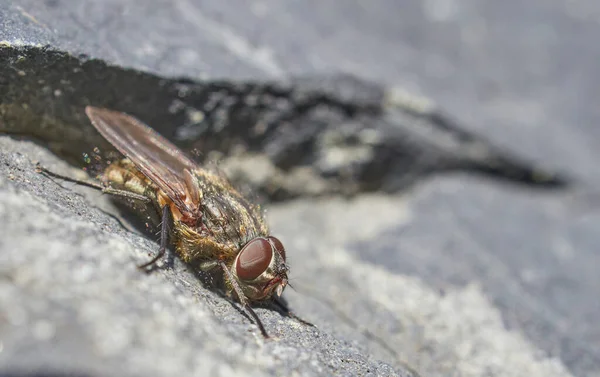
{"x": 123, "y": 175}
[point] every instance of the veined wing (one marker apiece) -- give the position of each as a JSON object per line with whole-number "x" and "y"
{"x": 156, "y": 157}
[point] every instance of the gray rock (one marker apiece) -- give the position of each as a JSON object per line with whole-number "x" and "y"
{"x": 73, "y": 300}
{"x": 456, "y": 276}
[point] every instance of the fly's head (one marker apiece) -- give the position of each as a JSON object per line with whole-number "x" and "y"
{"x": 260, "y": 268}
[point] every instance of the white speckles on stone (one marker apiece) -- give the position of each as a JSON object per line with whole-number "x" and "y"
{"x": 83, "y": 274}
{"x": 194, "y": 116}
{"x": 43, "y": 330}
{"x": 16, "y": 315}
{"x": 405, "y": 99}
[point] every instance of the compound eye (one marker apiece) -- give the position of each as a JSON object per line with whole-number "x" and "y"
{"x": 254, "y": 259}
{"x": 278, "y": 246}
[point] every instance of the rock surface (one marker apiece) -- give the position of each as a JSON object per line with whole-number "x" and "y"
{"x": 456, "y": 276}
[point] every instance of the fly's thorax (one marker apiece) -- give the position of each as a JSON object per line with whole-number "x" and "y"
{"x": 196, "y": 248}
{"x": 260, "y": 268}
{"x": 229, "y": 218}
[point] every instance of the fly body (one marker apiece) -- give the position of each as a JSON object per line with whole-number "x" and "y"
{"x": 211, "y": 224}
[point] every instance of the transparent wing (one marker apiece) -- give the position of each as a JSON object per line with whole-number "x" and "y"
{"x": 157, "y": 158}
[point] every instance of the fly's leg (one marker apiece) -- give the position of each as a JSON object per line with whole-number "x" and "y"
{"x": 164, "y": 238}
{"x": 242, "y": 298}
{"x": 105, "y": 189}
{"x": 164, "y": 231}
{"x": 284, "y": 308}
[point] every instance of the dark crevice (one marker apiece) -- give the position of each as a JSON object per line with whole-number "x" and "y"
{"x": 338, "y": 130}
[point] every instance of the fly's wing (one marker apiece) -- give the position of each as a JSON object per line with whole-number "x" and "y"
{"x": 157, "y": 158}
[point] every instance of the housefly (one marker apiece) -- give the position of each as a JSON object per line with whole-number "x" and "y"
{"x": 209, "y": 223}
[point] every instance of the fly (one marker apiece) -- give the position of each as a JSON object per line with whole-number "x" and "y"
{"x": 210, "y": 224}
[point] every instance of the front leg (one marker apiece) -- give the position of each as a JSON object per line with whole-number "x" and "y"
{"x": 243, "y": 300}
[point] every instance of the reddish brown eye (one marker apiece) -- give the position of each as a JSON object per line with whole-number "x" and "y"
{"x": 254, "y": 259}
{"x": 278, "y": 246}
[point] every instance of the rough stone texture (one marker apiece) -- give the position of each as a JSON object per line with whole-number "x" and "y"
{"x": 458, "y": 276}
